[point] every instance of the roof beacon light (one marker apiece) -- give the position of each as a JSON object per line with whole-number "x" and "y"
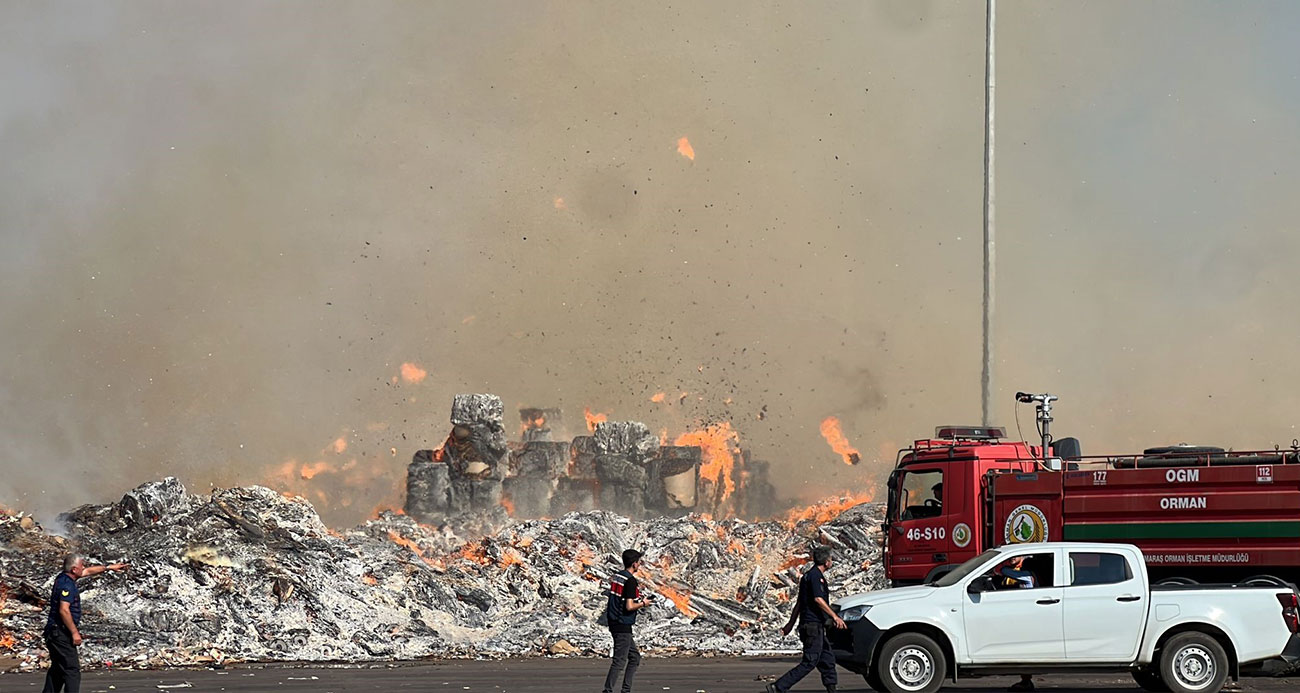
{"x": 969, "y": 432}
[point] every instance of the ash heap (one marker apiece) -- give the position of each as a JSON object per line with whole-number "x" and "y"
{"x": 250, "y": 574}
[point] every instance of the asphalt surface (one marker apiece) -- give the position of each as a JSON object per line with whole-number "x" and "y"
{"x": 722, "y": 675}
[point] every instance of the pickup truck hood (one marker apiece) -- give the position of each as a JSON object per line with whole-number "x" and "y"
{"x": 898, "y": 594}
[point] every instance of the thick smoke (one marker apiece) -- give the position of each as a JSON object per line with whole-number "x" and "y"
{"x": 227, "y": 227}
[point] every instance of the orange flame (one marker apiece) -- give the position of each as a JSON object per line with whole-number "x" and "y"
{"x": 559, "y": 203}
{"x": 830, "y": 429}
{"x": 474, "y": 553}
{"x": 7, "y": 640}
{"x": 827, "y": 510}
{"x": 509, "y": 505}
{"x": 719, "y": 445}
{"x": 532, "y": 425}
{"x": 511, "y": 557}
{"x": 593, "y": 419}
{"x": 413, "y": 548}
{"x": 685, "y": 149}
{"x": 412, "y": 373}
{"x": 309, "y": 471}
{"x": 794, "y": 562}
{"x": 683, "y": 601}
{"x": 340, "y": 445}
{"x": 658, "y": 397}
{"x": 585, "y": 556}
{"x": 385, "y": 508}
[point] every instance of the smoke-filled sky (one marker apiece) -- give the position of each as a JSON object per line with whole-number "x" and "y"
{"x": 226, "y": 226}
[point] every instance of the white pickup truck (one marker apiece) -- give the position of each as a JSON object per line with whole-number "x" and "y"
{"x": 1063, "y": 607}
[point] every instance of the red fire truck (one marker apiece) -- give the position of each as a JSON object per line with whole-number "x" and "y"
{"x": 1200, "y": 514}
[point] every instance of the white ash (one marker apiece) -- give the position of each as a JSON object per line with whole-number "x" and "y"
{"x": 247, "y": 574}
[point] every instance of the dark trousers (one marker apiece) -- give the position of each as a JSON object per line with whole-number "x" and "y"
{"x": 625, "y": 655}
{"x": 65, "y": 666}
{"x": 817, "y": 655}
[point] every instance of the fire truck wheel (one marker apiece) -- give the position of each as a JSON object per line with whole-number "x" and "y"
{"x": 1149, "y": 679}
{"x": 1193, "y": 663}
{"x": 911, "y": 663}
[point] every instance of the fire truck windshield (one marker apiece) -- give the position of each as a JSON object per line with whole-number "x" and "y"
{"x": 920, "y": 494}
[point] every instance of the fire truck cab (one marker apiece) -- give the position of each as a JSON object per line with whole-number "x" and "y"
{"x": 936, "y": 492}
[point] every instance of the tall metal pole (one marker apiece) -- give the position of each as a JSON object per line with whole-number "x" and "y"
{"x": 986, "y": 378}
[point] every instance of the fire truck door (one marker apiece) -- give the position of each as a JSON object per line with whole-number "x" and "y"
{"x": 928, "y": 531}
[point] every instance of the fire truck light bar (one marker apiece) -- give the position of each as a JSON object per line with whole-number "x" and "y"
{"x": 969, "y": 432}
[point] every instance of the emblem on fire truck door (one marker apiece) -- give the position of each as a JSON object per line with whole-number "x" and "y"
{"x": 1025, "y": 524}
{"x": 961, "y": 535}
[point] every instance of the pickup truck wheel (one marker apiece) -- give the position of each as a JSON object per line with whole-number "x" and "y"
{"x": 911, "y": 663}
{"x": 1149, "y": 679}
{"x": 1194, "y": 663}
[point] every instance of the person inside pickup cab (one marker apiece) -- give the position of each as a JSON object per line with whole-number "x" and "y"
{"x": 1014, "y": 575}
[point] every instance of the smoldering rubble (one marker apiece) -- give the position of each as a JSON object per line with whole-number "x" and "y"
{"x": 250, "y": 574}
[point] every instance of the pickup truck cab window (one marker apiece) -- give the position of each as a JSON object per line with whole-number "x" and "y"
{"x": 1024, "y": 571}
{"x": 1095, "y": 568}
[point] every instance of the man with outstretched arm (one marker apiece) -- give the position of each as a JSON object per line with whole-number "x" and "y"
{"x": 813, "y": 611}
{"x": 62, "y": 627}
{"x": 624, "y": 601}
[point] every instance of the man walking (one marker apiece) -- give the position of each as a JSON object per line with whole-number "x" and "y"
{"x": 813, "y": 611}
{"x": 62, "y": 627}
{"x": 620, "y": 610}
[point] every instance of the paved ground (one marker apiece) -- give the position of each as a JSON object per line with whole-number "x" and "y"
{"x": 727, "y": 675}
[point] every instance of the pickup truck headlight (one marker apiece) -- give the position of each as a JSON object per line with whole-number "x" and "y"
{"x": 855, "y": 613}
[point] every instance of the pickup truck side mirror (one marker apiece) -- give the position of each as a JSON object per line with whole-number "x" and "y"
{"x": 980, "y": 584}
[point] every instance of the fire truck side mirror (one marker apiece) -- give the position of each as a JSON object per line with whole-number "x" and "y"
{"x": 980, "y": 584}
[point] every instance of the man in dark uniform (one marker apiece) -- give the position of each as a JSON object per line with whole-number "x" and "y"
{"x": 62, "y": 627}
{"x": 624, "y": 600}
{"x": 813, "y": 611}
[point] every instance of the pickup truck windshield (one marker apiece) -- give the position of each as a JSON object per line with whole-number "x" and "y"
{"x": 965, "y": 569}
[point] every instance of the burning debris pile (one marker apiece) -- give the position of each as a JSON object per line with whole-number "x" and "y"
{"x": 622, "y": 467}
{"x": 250, "y": 574}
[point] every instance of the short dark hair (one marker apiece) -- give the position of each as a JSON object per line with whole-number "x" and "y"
{"x": 821, "y": 554}
{"x": 631, "y": 556}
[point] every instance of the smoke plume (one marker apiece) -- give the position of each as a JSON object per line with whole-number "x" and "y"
{"x": 228, "y": 227}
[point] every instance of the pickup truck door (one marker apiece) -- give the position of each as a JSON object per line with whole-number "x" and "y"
{"x": 1106, "y": 602}
{"x": 1018, "y": 625}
